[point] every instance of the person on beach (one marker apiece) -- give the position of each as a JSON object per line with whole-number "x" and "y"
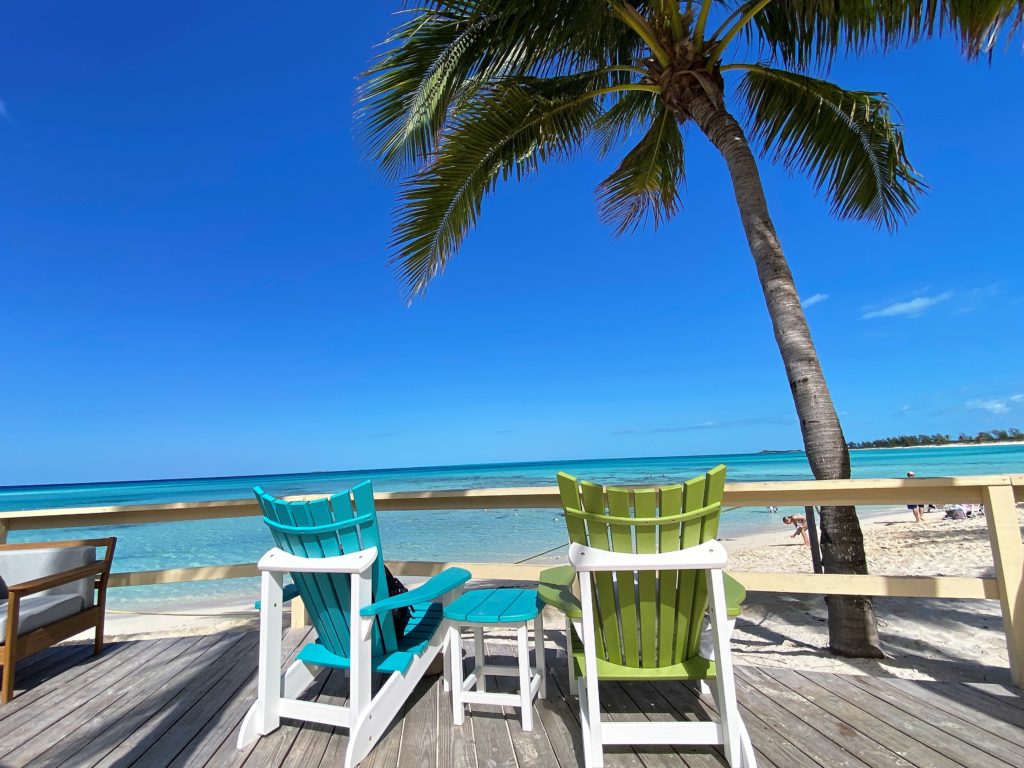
{"x": 916, "y": 509}
{"x": 800, "y": 523}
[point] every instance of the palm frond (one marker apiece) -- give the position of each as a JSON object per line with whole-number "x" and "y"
{"x": 629, "y": 112}
{"x": 646, "y": 183}
{"x": 845, "y": 141}
{"x": 507, "y": 132}
{"x": 444, "y": 48}
{"x": 804, "y": 34}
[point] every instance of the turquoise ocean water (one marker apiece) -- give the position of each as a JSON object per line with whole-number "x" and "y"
{"x": 464, "y": 535}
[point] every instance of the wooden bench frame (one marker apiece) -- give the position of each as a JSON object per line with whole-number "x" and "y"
{"x": 16, "y": 648}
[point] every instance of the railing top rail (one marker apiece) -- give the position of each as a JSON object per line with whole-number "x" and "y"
{"x": 935, "y": 490}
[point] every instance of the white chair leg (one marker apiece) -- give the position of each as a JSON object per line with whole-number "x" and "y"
{"x": 268, "y": 684}
{"x": 725, "y": 683}
{"x": 746, "y": 747}
{"x": 540, "y": 656}
{"x": 525, "y": 697}
{"x": 588, "y": 760}
{"x": 593, "y": 708}
{"x": 455, "y": 666}
{"x": 478, "y": 658}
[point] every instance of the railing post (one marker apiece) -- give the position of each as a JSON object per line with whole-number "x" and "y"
{"x": 1008, "y": 557}
{"x": 299, "y": 616}
{"x": 4, "y": 527}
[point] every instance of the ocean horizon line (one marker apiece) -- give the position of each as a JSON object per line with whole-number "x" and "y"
{"x": 418, "y": 468}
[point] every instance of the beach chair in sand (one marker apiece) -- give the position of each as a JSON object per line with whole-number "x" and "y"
{"x": 331, "y": 548}
{"x": 646, "y": 600}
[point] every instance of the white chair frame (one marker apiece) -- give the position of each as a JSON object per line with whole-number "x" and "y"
{"x": 367, "y": 715}
{"x": 729, "y": 731}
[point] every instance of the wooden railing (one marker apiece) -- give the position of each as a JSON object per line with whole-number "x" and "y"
{"x": 999, "y": 494}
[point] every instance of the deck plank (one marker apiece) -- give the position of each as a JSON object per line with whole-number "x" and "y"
{"x": 910, "y": 751}
{"x": 204, "y": 713}
{"x": 66, "y": 684}
{"x": 215, "y": 747}
{"x": 418, "y": 748}
{"x": 130, "y": 708}
{"x": 272, "y": 750}
{"x": 1004, "y": 694}
{"x": 649, "y": 699}
{"x": 614, "y": 757}
{"x": 812, "y": 742}
{"x": 532, "y": 748}
{"x": 47, "y": 664}
{"x": 385, "y": 754}
{"x": 166, "y": 713}
{"x": 490, "y": 731}
{"x": 455, "y": 743}
{"x": 977, "y": 708}
{"x": 770, "y": 747}
{"x": 975, "y": 745}
{"x": 559, "y": 714}
{"x": 179, "y": 702}
{"x": 37, "y": 727}
{"x": 912, "y": 726}
{"x": 311, "y": 741}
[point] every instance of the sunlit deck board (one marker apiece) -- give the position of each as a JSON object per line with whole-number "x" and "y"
{"x": 178, "y": 702}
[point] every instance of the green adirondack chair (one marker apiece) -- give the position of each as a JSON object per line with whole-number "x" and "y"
{"x": 331, "y": 548}
{"x": 651, "y": 582}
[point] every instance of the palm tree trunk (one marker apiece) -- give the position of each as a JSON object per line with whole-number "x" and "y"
{"x": 851, "y": 620}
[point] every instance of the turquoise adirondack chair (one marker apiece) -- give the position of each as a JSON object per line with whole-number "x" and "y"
{"x": 647, "y": 562}
{"x": 331, "y": 548}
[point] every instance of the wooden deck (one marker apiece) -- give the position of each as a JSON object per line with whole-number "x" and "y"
{"x": 178, "y": 702}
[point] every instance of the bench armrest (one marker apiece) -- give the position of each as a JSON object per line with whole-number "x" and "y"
{"x": 25, "y": 588}
{"x": 438, "y": 585}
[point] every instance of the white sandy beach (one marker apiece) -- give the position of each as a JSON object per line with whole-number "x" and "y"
{"x": 929, "y": 639}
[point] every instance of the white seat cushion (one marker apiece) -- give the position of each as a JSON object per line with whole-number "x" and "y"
{"x": 21, "y": 565}
{"x": 37, "y": 611}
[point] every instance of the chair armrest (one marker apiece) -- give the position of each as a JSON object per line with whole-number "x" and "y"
{"x": 554, "y": 587}
{"x": 735, "y": 594}
{"x": 701, "y": 557}
{"x": 278, "y": 561}
{"x": 43, "y": 583}
{"x": 438, "y": 585}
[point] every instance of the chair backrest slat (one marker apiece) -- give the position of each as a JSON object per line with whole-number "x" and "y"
{"x": 645, "y": 618}
{"x": 341, "y": 524}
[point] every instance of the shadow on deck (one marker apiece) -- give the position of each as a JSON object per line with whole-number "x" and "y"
{"x": 179, "y": 701}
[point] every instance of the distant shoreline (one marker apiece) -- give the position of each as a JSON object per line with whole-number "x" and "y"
{"x": 944, "y": 445}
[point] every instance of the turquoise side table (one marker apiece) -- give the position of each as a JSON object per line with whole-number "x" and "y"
{"x": 488, "y": 607}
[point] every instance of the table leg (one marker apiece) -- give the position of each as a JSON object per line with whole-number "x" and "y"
{"x": 523, "y": 642}
{"x": 539, "y": 656}
{"x": 478, "y": 658}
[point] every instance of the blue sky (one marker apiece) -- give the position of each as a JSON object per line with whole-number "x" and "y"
{"x": 195, "y": 280}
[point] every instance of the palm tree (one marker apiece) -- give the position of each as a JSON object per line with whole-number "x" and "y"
{"x": 471, "y": 92}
